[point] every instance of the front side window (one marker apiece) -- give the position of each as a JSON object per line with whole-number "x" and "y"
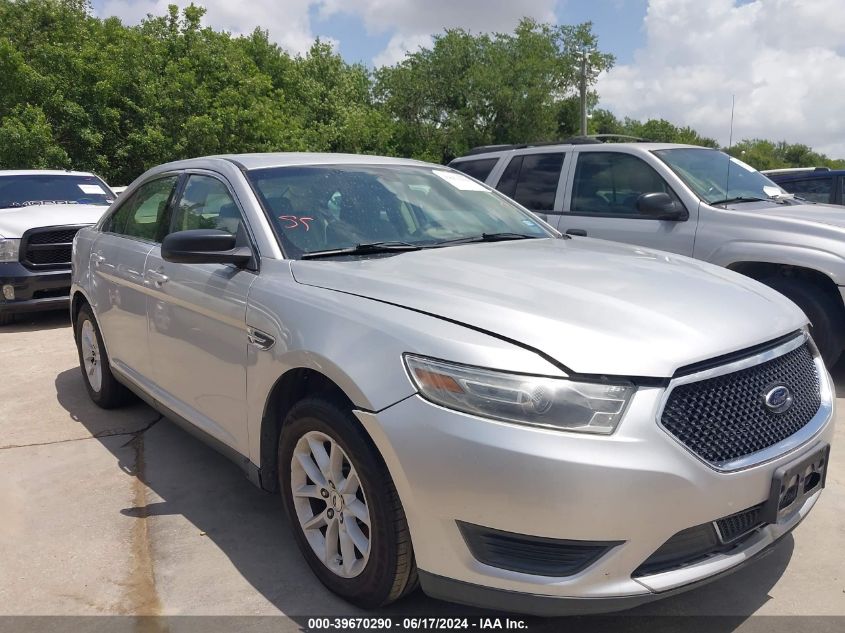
{"x": 143, "y": 214}
{"x": 717, "y": 178}
{"x": 478, "y": 169}
{"x": 532, "y": 180}
{"x": 325, "y": 207}
{"x": 206, "y": 204}
{"x": 814, "y": 189}
{"x": 38, "y": 189}
{"x": 610, "y": 183}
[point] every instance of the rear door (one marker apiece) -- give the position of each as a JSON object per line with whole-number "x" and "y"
{"x": 534, "y": 181}
{"x": 601, "y": 201}
{"x": 118, "y": 258}
{"x": 197, "y": 318}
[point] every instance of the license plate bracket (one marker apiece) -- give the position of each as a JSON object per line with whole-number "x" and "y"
{"x": 794, "y": 482}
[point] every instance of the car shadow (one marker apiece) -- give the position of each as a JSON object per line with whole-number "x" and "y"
{"x": 37, "y": 321}
{"x": 186, "y": 478}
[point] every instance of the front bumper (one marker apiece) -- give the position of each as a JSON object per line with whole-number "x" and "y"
{"x": 34, "y": 291}
{"x": 638, "y": 487}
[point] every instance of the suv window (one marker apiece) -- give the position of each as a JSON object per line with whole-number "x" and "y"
{"x": 532, "y": 180}
{"x": 206, "y": 204}
{"x": 609, "y": 183}
{"x": 478, "y": 169}
{"x": 815, "y": 189}
{"x": 143, "y": 213}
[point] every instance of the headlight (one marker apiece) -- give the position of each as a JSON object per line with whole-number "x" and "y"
{"x": 9, "y": 250}
{"x": 587, "y": 407}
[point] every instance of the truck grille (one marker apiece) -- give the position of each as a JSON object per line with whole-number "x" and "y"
{"x": 48, "y": 248}
{"x": 724, "y": 418}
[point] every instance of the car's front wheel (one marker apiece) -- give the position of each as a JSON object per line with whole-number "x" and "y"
{"x": 343, "y": 507}
{"x": 102, "y": 386}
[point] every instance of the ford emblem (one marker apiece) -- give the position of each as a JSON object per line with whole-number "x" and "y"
{"x": 778, "y": 399}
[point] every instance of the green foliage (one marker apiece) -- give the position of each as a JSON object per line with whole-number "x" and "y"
{"x": 762, "y": 154}
{"x": 469, "y": 90}
{"x": 98, "y": 95}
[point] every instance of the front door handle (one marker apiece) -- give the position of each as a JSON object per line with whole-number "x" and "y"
{"x": 578, "y": 232}
{"x": 159, "y": 279}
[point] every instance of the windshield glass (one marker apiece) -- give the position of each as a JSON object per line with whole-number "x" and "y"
{"x": 34, "y": 189}
{"x": 326, "y": 207}
{"x": 716, "y": 177}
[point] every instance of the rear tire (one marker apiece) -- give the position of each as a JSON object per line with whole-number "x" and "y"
{"x": 381, "y": 567}
{"x": 825, "y": 312}
{"x": 102, "y": 386}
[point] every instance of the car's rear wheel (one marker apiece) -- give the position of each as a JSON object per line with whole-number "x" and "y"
{"x": 824, "y": 311}
{"x": 103, "y": 388}
{"x": 343, "y": 507}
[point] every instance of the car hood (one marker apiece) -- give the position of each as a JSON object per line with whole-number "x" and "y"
{"x": 832, "y": 215}
{"x": 596, "y": 307}
{"x": 16, "y": 221}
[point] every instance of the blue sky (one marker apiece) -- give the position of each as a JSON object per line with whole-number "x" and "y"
{"x": 618, "y": 24}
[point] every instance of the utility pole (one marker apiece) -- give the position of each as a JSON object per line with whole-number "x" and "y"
{"x": 583, "y": 88}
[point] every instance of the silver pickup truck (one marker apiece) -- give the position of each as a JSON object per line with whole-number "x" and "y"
{"x": 685, "y": 199}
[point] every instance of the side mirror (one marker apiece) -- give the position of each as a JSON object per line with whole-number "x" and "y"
{"x": 204, "y": 246}
{"x": 661, "y": 206}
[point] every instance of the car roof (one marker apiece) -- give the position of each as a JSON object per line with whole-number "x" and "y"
{"x": 287, "y": 159}
{"x": 43, "y": 172}
{"x": 590, "y": 147}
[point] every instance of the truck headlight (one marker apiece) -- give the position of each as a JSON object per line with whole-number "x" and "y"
{"x": 9, "y": 249}
{"x": 568, "y": 405}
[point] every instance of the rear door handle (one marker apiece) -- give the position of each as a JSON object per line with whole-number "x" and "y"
{"x": 578, "y": 232}
{"x": 156, "y": 277}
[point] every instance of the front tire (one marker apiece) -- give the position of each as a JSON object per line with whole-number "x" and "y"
{"x": 102, "y": 386}
{"x": 342, "y": 506}
{"x": 6, "y": 318}
{"x": 824, "y": 312}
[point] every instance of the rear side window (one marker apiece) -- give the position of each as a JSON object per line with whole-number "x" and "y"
{"x": 815, "y": 189}
{"x": 478, "y": 169}
{"x": 532, "y": 180}
{"x": 609, "y": 183}
{"x": 143, "y": 215}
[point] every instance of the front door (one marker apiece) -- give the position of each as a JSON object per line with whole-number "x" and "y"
{"x": 197, "y": 317}
{"x": 601, "y": 201}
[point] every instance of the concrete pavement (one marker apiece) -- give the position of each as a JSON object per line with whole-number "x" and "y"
{"x": 121, "y": 512}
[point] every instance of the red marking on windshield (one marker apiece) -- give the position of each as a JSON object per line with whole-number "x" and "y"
{"x": 295, "y": 221}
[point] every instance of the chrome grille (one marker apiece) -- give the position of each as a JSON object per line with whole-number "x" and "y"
{"x": 725, "y": 418}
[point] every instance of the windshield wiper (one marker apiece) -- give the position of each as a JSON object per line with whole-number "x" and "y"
{"x": 487, "y": 237}
{"x": 370, "y": 248}
{"x": 741, "y": 199}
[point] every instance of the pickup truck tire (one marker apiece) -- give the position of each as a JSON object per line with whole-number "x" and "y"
{"x": 322, "y": 447}
{"x": 102, "y": 386}
{"x": 823, "y": 311}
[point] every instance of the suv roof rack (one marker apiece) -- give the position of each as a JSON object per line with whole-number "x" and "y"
{"x": 590, "y": 139}
{"x": 793, "y": 170}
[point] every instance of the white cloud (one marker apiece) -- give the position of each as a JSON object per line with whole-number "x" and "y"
{"x": 783, "y": 59}
{"x": 287, "y": 21}
{"x": 412, "y": 22}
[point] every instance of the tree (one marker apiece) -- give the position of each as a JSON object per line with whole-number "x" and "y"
{"x": 468, "y": 90}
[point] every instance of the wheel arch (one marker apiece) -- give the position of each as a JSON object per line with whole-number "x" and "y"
{"x": 291, "y": 387}
{"x": 760, "y": 270}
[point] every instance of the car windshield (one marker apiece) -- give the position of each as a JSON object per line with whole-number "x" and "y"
{"x": 24, "y": 190}
{"x": 330, "y": 207}
{"x": 716, "y": 177}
